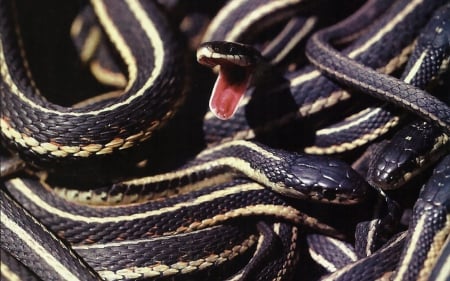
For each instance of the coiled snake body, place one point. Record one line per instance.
(236, 210)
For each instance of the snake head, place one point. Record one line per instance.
(322, 178)
(237, 63)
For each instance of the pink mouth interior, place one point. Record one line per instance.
(228, 91)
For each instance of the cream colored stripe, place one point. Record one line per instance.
(322, 261)
(440, 241)
(371, 235)
(137, 242)
(76, 26)
(444, 273)
(276, 228)
(182, 173)
(304, 78)
(108, 77)
(344, 248)
(415, 68)
(7, 273)
(236, 277)
(38, 249)
(412, 246)
(347, 125)
(90, 44)
(21, 186)
(387, 28)
(256, 14)
(309, 24)
(249, 145)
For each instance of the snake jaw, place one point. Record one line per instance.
(229, 89)
(237, 64)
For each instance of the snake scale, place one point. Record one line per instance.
(323, 154)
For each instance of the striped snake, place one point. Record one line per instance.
(236, 209)
(77, 135)
(313, 92)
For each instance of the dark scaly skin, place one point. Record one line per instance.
(419, 144)
(263, 112)
(60, 126)
(410, 151)
(430, 224)
(327, 250)
(365, 79)
(314, 177)
(27, 256)
(192, 247)
(297, 175)
(79, 232)
(373, 266)
(16, 267)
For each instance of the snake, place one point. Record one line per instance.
(395, 258)
(75, 132)
(199, 265)
(424, 105)
(427, 62)
(194, 226)
(305, 86)
(422, 143)
(431, 52)
(255, 200)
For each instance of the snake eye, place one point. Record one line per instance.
(329, 195)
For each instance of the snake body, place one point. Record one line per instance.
(311, 177)
(82, 225)
(313, 92)
(402, 249)
(428, 60)
(419, 140)
(74, 133)
(238, 209)
(60, 259)
(404, 95)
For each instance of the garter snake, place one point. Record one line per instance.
(399, 258)
(313, 93)
(195, 231)
(336, 65)
(437, 111)
(300, 176)
(135, 225)
(410, 150)
(103, 127)
(431, 51)
(427, 62)
(421, 142)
